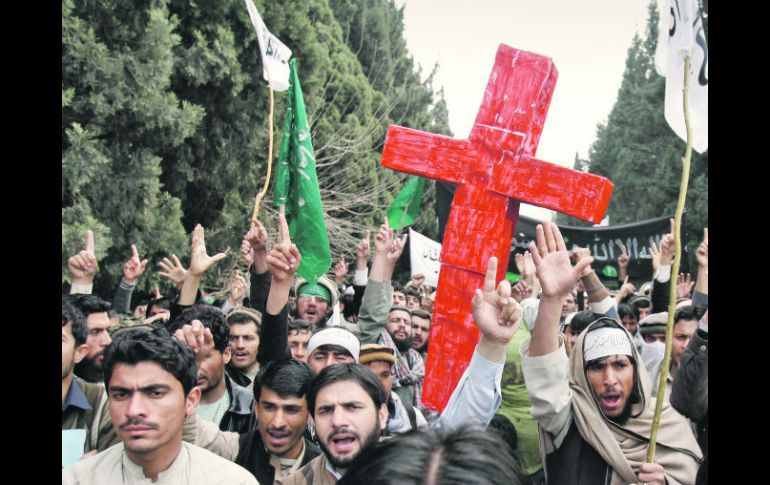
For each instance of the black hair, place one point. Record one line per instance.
(333, 348)
(240, 317)
(399, 308)
(397, 287)
(686, 313)
(412, 291)
(287, 377)
(299, 324)
(641, 303)
(349, 309)
(143, 343)
(581, 320)
(70, 314)
(89, 304)
(626, 310)
(211, 318)
(421, 314)
(437, 456)
(163, 302)
(357, 373)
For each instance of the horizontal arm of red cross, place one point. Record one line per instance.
(432, 156)
(582, 195)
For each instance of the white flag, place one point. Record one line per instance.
(275, 54)
(681, 33)
(424, 257)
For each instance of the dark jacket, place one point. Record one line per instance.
(86, 408)
(575, 462)
(690, 392)
(239, 417)
(253, 456)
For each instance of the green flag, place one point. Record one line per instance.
(296, 186)
(405, 208)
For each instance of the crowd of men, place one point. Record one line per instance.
(291, 381)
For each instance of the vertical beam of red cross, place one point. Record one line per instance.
(494, 169)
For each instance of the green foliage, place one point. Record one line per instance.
(641, 154)
(165, 122)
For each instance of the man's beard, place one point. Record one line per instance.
(370, 441)
(403, 345)
(89, 371)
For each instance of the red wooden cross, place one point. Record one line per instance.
(494, 169)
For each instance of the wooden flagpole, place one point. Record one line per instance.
(674, 266)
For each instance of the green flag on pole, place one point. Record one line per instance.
(405, 208)
(296, 186)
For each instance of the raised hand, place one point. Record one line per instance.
(284, 258)
(667, 247)
(257, 236)
(247, 252)
(396, 249)
(702, 253)
(684, 285)
(82, 266)
(579, 253)
(197, 337)
(383, 240)
(200, 261)
(521, 290)
(625, 290)
(623, 258)
(340, 270)
(655, 254)
(496, 313)
(556, 274)
(133, 268)
(173, 271)
(362, 251)
(237, 288)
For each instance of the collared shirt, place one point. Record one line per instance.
(75, 397)
(331, 469)
(276, 463)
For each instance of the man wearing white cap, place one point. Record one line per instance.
(332, 345)
(595, 409)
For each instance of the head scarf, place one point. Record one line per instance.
(624, 447)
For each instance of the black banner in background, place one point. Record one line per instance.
(604, 242)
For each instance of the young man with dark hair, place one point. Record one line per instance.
(223, 402)
(595, 409)
(413, 298)
(347, 403)
(421, 321)
(95, 311)
(278, 448)
(244, 331)
(150, 379)
(300, 332)
(332, 345)
(402, 416)
(685, 325)
(84, 404)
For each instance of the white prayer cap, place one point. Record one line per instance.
(606, 341)
(335, 336)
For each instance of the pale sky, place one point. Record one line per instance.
(588, 41)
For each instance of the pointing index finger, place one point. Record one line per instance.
(90, 242)
(134, 252)
(283, 227)
(489, 278)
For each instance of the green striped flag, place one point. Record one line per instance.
(405, 208)
(296, 186)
